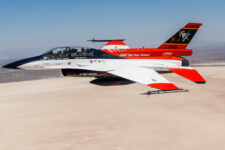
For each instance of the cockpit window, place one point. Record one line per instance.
(82, 52)
(68, 52)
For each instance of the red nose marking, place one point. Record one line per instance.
(69, 63)
(91, 61)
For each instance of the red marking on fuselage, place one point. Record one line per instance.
(173, 46)
(150, 53)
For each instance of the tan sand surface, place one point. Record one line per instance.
(72, 114)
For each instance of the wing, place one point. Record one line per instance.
(145, 76)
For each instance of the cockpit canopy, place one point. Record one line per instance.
(69, 52)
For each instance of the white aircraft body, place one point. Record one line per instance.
(116, 60)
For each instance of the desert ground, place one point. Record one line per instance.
(69, 113)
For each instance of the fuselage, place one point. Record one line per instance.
(117, 60)
(103, 60)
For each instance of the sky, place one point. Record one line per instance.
(38, 25)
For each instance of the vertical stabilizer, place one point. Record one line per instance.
(182, 38)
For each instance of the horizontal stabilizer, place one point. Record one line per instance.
(190, 74)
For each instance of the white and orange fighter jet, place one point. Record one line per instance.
(116, 60)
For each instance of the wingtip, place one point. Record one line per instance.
(164, 86)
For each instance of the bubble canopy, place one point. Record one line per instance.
(69, 52)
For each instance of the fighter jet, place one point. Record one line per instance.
(117, 60)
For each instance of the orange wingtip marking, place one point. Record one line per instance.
(164, 86)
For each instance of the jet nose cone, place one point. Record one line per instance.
(19, 63)
(11, 66)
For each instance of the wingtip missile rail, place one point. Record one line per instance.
(164, 91)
